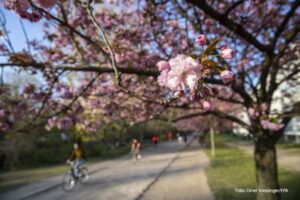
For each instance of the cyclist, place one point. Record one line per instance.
(135, 149)
(78, 157)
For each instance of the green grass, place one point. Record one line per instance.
(9, 180)
(13, 179)
(291, 147)
(227, 138)
(231, 168)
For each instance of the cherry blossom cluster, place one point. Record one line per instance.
(184, 74)
(267, 123)
(60, 123)
(68, 120)
(26, 11)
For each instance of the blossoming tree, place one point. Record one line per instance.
(141, 59)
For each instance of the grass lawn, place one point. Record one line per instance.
(9, 180)
(13, 179)
(289, 146)
(232, 168)
(292, 147)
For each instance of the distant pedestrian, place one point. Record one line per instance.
(185, 138)
(170, 136)
(179, 138)
(154, 140)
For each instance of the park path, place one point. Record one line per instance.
(285, 158)
(175, 171)
(175, 185)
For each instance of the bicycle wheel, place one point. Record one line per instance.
(84, 175)
(68, 182)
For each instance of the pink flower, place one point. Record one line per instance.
(51, 123)
(252, 112)
(264, 107)
(266, 124)
(65, 93)
(19, 6)
(65, 123)
(226, 76)
(201, 39)
(2, 113)
(163, 65)
(184, 72)
(209, 22)
(227, 53)
(207, 106)
(178, 93)
(46, 3)
(163, 78)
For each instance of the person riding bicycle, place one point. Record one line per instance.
(135, 149)
(78, 157)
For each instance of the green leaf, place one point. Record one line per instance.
(194, 56)
(213, 64)
(210, 47)
(264, 117)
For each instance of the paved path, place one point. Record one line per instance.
(171, 170)
(184, 179)
(285, 158)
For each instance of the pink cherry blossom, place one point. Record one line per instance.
(163, 65)
(252, 112)
(201, 39)
(226, 76)
(266, 124)
(64, 123)
(35, 16)
(264, 107)
(2, 113)
(227, 53)
(46, 3)
(185, 72)
(207, 106)
(163, 78)
(65, 92)
(19, 6)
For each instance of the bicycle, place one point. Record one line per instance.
(70, 179)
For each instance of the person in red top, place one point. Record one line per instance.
(154, 140)
(170, 136)
(135, 149)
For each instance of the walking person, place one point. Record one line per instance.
(185, 138)
(170, 136)
(154, 140)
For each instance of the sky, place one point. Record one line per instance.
(34, 31)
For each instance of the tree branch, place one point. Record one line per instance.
(285, 21)
(232, 7)
(231, 25)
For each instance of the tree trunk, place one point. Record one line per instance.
(266, 170)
